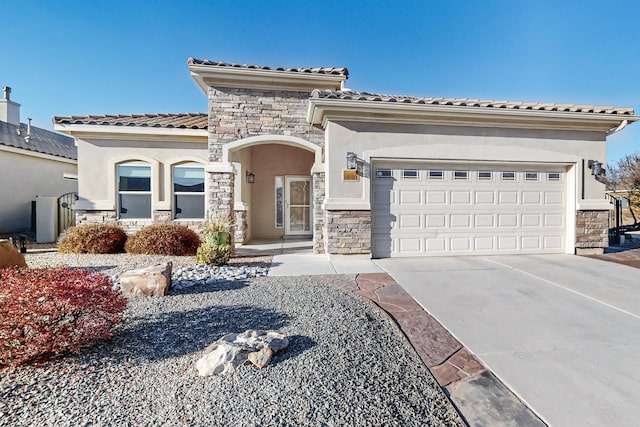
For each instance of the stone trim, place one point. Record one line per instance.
(348, 232)
(319, 224)
(592, 230)
(131, 226)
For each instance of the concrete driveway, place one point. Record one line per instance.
(562, 331)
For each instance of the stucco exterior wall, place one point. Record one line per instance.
(23, 178)
(98, 159)
(378, 141)
(268, 162)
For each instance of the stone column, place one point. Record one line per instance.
(349, 232)
(319, 228)
(592, 232)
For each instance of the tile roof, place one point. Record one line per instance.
(179, 120)
(464, 102)
(321, 70)
(40, 141)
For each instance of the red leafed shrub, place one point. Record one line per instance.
(164, 239)
(93, 239)
(48, 311)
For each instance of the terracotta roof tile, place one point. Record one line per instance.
(179, 120)
(321, 70)
(464, 102)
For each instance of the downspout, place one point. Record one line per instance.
(622, 125)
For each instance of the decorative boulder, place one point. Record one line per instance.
(233, 350)
(10, 256)
(151, 281)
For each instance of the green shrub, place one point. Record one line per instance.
(164, 239)
(50, 311)
(93, 239)
(213, 254)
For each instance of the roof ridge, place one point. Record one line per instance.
(343, 71)
(465, 102)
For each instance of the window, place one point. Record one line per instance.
(134, 191)
(460, 175)
(508, 176)
(279, 202)
(383, 173)
(436, 174)
(531, 176)
(188, 192)
(485, 175)
(553, 176)
(409, 173)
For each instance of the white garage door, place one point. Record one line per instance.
(435, 209)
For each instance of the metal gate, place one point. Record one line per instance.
(66, 215)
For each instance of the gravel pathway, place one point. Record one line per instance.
(347, 364)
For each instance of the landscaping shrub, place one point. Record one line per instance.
(49, 311)
(93, 239)
(164, 239)
(216, 249)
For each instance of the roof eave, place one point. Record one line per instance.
(118, 130)
(321, 111)
(207, 75)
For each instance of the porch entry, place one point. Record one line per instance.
(298, 205)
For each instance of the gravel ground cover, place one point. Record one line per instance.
(347, 363)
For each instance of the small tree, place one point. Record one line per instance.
(624, 176)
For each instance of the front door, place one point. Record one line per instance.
(298, 205)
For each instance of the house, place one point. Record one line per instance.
(289, 152)
(34, 162)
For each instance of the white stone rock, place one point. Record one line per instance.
(233, 350)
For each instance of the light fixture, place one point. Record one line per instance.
(251, 177)
(596, 168)
(352, 161)
(23, 243)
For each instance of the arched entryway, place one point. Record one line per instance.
(273, 191)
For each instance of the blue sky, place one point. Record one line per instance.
(124, 57)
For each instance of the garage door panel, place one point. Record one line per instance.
(410, 197)
(460, 197)
(436, 197)
(460, 220)
(485, 197)
(508, 197)
(410, 221)
(484, 213)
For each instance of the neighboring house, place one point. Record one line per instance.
(289, 152)
(34, 162)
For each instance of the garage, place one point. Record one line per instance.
(436, 209)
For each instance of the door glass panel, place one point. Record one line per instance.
(299, 219)
(299, 193)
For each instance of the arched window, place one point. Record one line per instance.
(188, 191)
(134, 190)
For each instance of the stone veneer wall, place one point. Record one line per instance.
(319, 226)
(241, 226)
(348, 232)
(237, 113)
(592, 229)
(131, 226)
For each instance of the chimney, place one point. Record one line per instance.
(9, 110)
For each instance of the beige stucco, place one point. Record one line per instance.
(268, 161)
(99, 157)
(373, 142)
(26, 175)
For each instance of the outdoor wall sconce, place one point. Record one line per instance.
(251, 177)
(596, 168)
(352, 161)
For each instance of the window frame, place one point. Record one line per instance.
(174, 193)
(435, 177)
(120, 192)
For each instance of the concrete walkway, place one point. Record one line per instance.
(562, 331)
